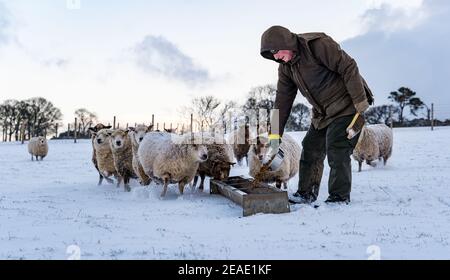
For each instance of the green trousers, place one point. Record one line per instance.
(331, 142)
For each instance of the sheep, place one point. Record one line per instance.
(375, 142)
(136, 136)
(38, 147)
(93, 131)
(218, 164)
(104, 156)
(289, 166)
(123, 157)
(241, 145)
(169, 158)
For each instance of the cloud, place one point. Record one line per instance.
(387, 18)
(415, 56)
(56, 62)
(156, 54)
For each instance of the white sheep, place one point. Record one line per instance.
(289, 166)
(375, 142)
(104, 156)
(123, 156)
(170, 159)
(38, 147)
(136, 135)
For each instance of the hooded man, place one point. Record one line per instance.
(329, 79)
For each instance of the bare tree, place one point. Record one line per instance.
(405, 97)
(299, 119)
(86, 119)
(204, 109)
(381, 114)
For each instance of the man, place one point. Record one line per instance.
(329, 79)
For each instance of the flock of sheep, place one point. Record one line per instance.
(167, 158)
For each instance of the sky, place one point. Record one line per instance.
(135, 58)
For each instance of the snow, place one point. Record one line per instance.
(54, 210)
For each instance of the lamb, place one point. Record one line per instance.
(93, 131)
(241, 145)
(375, 142)
(136, 136)
(169, 158)
(289, 166)
(38, 147)
(103, 153)
(123, 157)
(218, 164)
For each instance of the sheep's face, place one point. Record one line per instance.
(102, 138)
(42, 141)
(221, 169)
(99, 127)
(119, 139)
(261, 149)
(139, 135)
(200, 152)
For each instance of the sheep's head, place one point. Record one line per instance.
(102, 137)
(119, 139)
(140, 131)
(261, 148)
(199, 152)
(98, 127)
(221, 169)
(42, 141)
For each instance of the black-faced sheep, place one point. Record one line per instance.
(288, 168)
(123, 156)
(218, 164)
(93, 131)
(170, 158)
(136, 136)
(104, 156)
(38, 147)
(375, 143)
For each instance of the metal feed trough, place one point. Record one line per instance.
(261, 198)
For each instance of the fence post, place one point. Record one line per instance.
(432, 116)
(390, 118)
(114, 123)
(56, 131)
(75, 131)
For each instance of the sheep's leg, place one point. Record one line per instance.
(126, 183)
(195, 182)
(285, 185)
(359, 166)
(181, 187)
(100, 179)
(37, 158)
(166, 183)
(246, 160)
(278, 184)
(32, 158)
(202, 181)
(109, 180)
(119, 180)
(385, 160)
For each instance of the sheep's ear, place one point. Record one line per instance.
(131, 129)
(149, 128)
(108, 127)
(109, 133)
(91, 129)
(232, 163)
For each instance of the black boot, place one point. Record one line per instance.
(337, 199)
(300, 198)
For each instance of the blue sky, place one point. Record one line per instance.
(136, 58)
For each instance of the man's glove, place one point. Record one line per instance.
(355, 126)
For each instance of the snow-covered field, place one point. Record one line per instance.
(401, 211)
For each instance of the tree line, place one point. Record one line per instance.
(24, 119)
